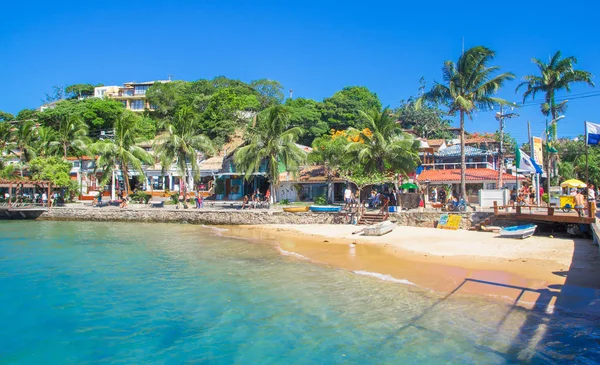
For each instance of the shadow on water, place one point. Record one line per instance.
(563, 332)
(560, 326)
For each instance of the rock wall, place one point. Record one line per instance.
(220, 217)
(237, 217)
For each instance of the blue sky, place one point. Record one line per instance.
(313, 47)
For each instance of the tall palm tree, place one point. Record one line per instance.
(274, 141)
(121, 152)
(47, 143)
(23, 141)
(469, 85)
(180, 143)
(556, 75)
(382, 146)
(72, 135)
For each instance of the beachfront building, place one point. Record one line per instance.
(131, 94)
(310, 183)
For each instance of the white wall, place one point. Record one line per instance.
(286, 190)
(487, 197)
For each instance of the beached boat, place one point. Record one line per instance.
(518, 231)
(324, 208)
(379, 229)
(296, 209)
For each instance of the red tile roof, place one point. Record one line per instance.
(472, 175)
(479, 139)
(435, 142)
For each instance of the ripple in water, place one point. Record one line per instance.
(92, 293)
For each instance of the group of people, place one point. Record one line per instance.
(375, 199)
(254, 201)
(525, 196)
(183, 199)
(49, 201)
(439, 196)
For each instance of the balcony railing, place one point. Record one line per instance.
(456, 165)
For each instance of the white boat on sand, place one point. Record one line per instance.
(379, 229)
(518, 231)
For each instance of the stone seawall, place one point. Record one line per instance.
(237, 217)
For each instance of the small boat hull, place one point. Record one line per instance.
(324, 209)
(379, 229)
(520, 232)
(296, 209)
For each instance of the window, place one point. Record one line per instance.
(137, 105)
(76, 164)
(140, 90)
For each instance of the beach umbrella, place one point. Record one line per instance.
(408, 186)
(573, 183)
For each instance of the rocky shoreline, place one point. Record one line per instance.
(237, 217)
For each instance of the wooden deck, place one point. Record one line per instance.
(544, 215)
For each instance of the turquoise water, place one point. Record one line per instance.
(116, 293)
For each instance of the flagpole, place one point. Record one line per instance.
(587, 172)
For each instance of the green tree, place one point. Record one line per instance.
(52, 168)
(5, 117)
(273, 140)
(96, 113)
(79, 91)
(555, 76)
(306, 114)
(469, 86)
(27, 114)
(122, 151)
(179, 143)
(270, 92)
(342, 109)
(23, 141)
(72, 136)
(47, 142)
(6, 135)
(383, 147)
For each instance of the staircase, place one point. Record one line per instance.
(372, 218)
(375, 216)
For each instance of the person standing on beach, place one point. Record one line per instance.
(44, 199)
(591, 198)
(348, 195)
(579, 203)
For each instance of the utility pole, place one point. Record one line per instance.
(500, 116)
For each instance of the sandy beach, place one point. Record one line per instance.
(518, 271)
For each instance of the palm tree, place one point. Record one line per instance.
(469, 86)
(23, 142)
(554, 76)
(274, 141)
(121, 152)
(180, 143)
(382, 146)
(46, 144)
(72, 135)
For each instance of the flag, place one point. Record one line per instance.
(526, 163)
(592, 133)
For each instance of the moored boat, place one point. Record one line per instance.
(324, 208)
(379, 229)
(296, 209)
(518, 231)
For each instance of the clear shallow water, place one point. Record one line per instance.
(99, 293)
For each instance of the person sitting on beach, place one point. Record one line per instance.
(253, 200)
(124, 202)
(245, 201)
(179, 201)
(579, 203)
(268, 195)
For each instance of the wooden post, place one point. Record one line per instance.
(518, 209)
(49, 191)
(10, 194)
(495, 207)
(550, 210)
(591, 209)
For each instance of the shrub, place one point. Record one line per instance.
(322, 200)
(141, 197)
(545, 198)
(174, 198)
(284, 201)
